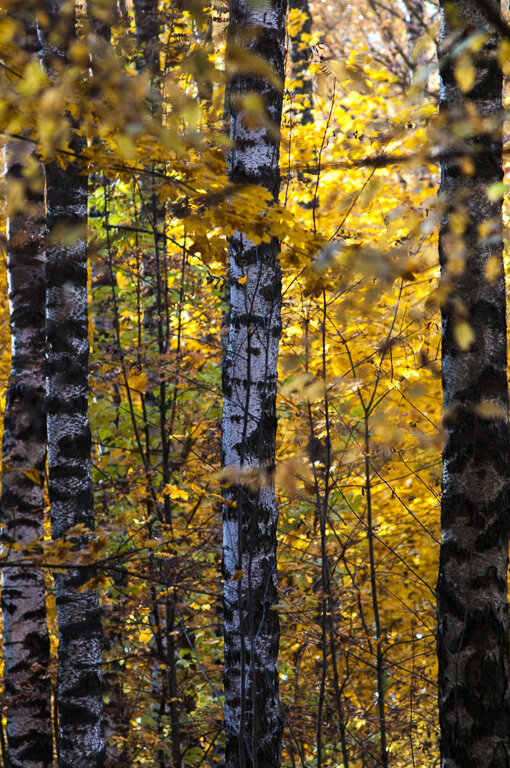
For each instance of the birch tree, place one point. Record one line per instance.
(81, 743)
(253, 716)
(25, 633)
(472, 587)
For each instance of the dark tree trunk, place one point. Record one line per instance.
(252, 710)
(81, 742)
(300, 55)
(474, 706)
(25, 633)
(70, 481)
(156, 339)
(149, 47)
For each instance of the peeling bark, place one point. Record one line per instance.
(474, 704)
(25, 633)
(251, 625)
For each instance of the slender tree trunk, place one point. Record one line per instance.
(149, 47)
(69, 442)
(157, 338)
(300, 55)
(25, 633)
(252, 709)
(153, 213)
(474, 706)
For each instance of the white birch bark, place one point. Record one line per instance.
(251, 629)
(25, 633)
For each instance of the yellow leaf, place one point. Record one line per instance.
(145, 635)
(175, 492)
(504, 56)
(34, 475)
(464, 335)
(487, 409)
(496, 191)
(138, 382)
(492, 269)
(126, 146)
(467, 165)
(465, 72)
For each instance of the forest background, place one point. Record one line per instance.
(358, 453)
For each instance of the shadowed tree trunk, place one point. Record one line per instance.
(156, 398)
(472, 587)
(116, 716)
(25, 634)
(300, 55)
(252, 710)
(69, 442)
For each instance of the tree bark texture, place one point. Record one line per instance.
(25, 633)
(81, 742)
(253, 716)
(70, 481)
(474, 707)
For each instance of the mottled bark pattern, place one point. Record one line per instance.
(70, 483)
(473, 628)
(25, 634)
(69, 442)
(252, 711)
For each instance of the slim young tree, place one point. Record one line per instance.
(81, 742)
(300, 54)
(252, 711)
(156, 398)
(474, 702)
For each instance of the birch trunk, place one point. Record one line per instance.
(25, 633)
(473, 627)
(70, 482)
(81, 742)
(251, 625)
